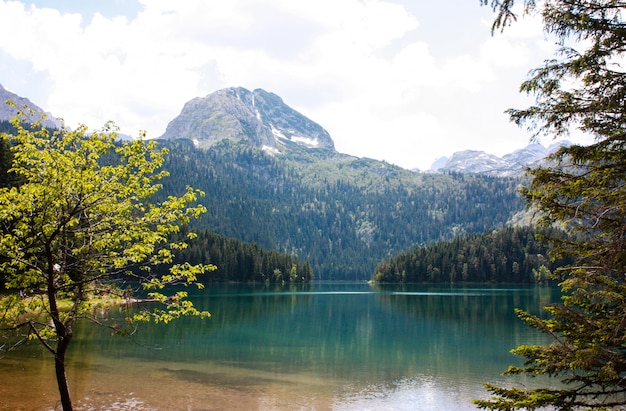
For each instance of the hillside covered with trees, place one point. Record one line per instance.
(512, 254)
(341, 213)
(237, 261)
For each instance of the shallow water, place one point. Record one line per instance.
(329, 346)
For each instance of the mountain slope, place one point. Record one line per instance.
(343, 216)
(258, 118)
(471, 161)
(7, 112)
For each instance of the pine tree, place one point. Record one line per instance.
(582, 189)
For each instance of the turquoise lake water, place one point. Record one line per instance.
(324, 346)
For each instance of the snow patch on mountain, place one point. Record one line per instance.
(278, 133)
(270, 150)
(309, 142)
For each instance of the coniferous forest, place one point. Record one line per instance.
(512, 254)
(343, 215)
(237, 261)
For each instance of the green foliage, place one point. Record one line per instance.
(582, 190)
(542, 274)
(82, 216)
(237, 261)
(7, 179)
(512, 254)
(340, 213)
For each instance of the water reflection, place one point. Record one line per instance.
(318, 346)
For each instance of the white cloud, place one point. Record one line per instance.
(466, 72)
(363, 69)
(36, 35)
(499, 51)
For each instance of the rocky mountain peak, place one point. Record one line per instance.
(480, 162)
(257, 117)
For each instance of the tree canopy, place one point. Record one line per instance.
(237, 261)
(583, 190)
(508, 255)
(81, 218)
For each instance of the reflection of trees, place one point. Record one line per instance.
(389, 334)
(455, 325)
(189, 338)
(481, 304)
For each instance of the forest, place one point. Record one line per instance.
(237, 261)
(508, 255)
(342, 214)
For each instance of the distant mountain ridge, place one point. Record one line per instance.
(257, 117)
(509, 165)
(7, 112)
(261, 119)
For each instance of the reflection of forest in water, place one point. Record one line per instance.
(343, 334)
(342, 330)
(479, 304)
(471, 329)
(232, 307)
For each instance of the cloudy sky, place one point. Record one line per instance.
(406, 81)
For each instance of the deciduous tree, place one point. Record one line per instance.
(81, 218)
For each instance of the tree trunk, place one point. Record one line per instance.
(64, 389)
(64, 335)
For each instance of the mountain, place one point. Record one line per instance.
(273, 177)
(257, 117)
(530, 154)
(437, 164)
(471, 161)
(509, 165)
(7, 112)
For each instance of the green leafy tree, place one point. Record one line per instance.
(583, 189)
(7, 179)
(81, 218)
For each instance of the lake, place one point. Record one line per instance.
(322, 346)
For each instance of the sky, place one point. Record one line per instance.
(404, 81)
